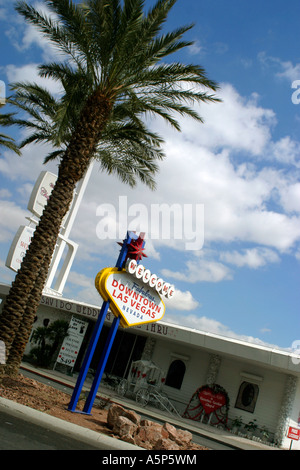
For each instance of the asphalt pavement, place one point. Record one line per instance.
(21, 434)
(24, 428)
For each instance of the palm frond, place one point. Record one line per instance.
(50, 28)
(9, 143)
(6, 141)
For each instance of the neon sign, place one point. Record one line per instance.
(140, 272)
(129, 297)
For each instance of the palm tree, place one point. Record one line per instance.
(112, 76)
(48, 339)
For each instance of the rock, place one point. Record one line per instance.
(125, 429)
(183, 437)
(134, 417)
(117, 410)
(180, 436)
(145, 422)
(171, 431)
(128, 426)
(114, 412)
(166, 444)
(149, 433)
(141, 438)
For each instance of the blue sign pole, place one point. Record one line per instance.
(88, 357)
(112, 333)
(94, 340)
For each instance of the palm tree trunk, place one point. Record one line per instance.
(27, 287)
(24, 331)
(72, 168)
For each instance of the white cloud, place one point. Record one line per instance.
(183, 301)
(11, 217)
(5, 193)
(283, 69)
(286, 151)
(265, 330)
(290, 197)
(210, 325)
(289, 71)
(25, 191)
(29, 73)
(82, 288)
(237, 123)
(27, 167)
(253, 258)
(201, 269)
(195, 48)
(24, 36)
(81, 280)
(269, 228)
(6, 274)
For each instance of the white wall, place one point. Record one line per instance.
(271, 384)
(196, 370)
(270, 396)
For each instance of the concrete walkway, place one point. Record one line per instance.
(196, 428)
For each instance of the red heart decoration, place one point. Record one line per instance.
(211, 401)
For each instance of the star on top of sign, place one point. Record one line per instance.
(135, 248)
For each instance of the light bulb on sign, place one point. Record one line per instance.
(145, 275)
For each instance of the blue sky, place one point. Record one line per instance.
(242, 166)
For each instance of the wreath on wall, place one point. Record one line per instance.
(209, 404)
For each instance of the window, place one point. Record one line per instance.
(127, 347)
(175, 374)
(247, 396)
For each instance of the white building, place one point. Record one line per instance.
(262, 383)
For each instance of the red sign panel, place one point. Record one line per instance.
(293, 433)
(211, 401)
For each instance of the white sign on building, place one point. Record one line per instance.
(72, 343)
(37, 202)
(41, 192)
(18, 247)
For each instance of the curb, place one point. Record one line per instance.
(101, 441)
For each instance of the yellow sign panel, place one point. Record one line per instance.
(129, 297)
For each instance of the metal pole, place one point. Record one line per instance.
(104, 357)
(88, 357)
